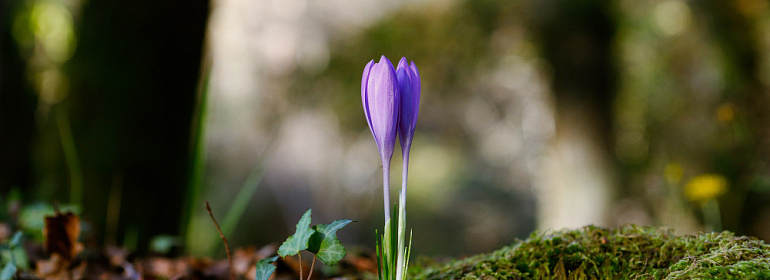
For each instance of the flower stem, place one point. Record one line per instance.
(711, 215)
(386, 187)
(400, 259)
(404, 175)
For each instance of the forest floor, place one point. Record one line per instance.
(629, 252)
(62, 256)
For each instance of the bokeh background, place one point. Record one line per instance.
(535, 115)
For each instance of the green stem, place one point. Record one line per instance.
(71, 156)
(711, 215)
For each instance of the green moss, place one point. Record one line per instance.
(631, 252)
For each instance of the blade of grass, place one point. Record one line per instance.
(401, 229)
(378, 244)
(408, 254)
(71, 157)
(394, 243)
(197, 152)
(246, 192)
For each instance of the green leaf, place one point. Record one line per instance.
(16, 239)
(324, 242)
(386, 253)
(163, 244)
(265, 268)
(299, 240)
(9, 270)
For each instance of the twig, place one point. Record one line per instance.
(224, 239)
(311, 268)
(299, 257)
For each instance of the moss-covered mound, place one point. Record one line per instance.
(630, 252)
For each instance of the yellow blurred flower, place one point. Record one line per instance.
(726, 113)
(705, 187)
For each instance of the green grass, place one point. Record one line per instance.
(631, 252)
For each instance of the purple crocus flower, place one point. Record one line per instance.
(409, 85)
(382, 101)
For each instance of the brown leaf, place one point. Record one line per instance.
(242, 259)
(51, 268)
(158, 267)
(61, 235)
(360, 263)
(57, 268)
(5, 232)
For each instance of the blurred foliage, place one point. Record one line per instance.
(448, 43)
(689, 101)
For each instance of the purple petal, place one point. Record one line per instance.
(383, 100)
(409, 84)
(416, 79)
(364, 81)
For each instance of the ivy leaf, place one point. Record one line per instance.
(299, 240)
(324, 243)
(15, 240)
(9, 270)
(265, 268)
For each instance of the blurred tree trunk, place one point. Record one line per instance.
(134, 80)
(17, 106)
(575, 38)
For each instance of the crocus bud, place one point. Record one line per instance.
(409, 85)
(381, 99)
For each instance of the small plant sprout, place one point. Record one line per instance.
(391, 100)
(321, 240)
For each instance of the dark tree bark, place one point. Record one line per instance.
(134, 79)
(17, 107)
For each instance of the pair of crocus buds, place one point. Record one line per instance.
(391, 99)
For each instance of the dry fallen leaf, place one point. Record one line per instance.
(61, 235)
(57, 268)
